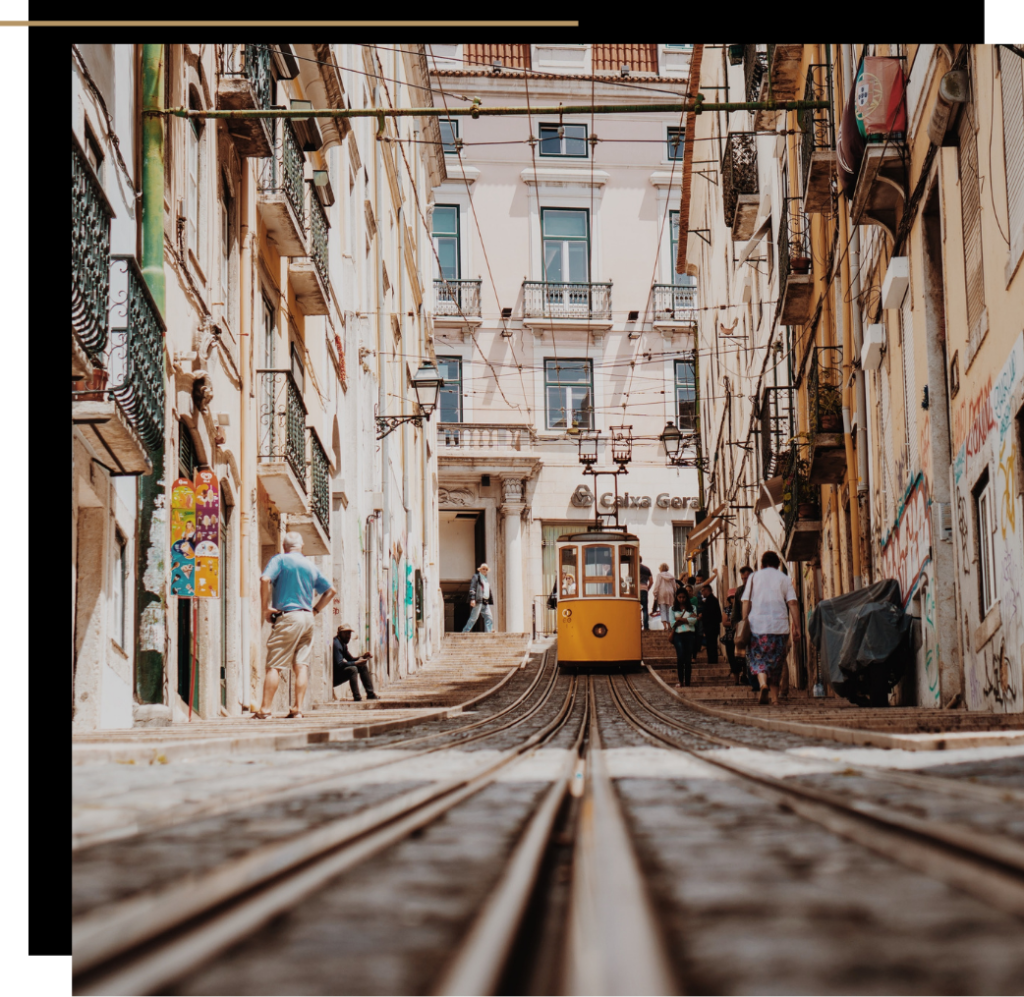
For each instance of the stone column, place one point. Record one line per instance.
(512, 507)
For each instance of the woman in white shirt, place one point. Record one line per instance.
(770, 607)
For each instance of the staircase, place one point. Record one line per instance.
(707, 681)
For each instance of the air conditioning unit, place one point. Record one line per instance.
(871, 348)
(897, 280)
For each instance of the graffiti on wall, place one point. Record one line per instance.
(906, 551)
(974, 420)
(930, 692)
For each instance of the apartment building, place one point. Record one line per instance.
(558, 312)
(246, 302)
(868, 423)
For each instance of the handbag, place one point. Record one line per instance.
(741, 641)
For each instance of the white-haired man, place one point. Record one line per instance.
(481, 598)
(288, 586)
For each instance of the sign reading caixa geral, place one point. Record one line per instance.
(584, 497)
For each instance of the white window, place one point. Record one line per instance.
(1011, 70)
(192, 185)
(119, 590)
(986, 552)
(225, 251)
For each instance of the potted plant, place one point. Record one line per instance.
(797, 491)
(735, 54)
(800, 264)
(830, 404)
(91, 389)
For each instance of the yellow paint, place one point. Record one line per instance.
(577, 642)
(1008, 503)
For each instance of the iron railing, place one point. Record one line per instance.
(796, 492)
(675, 303)
(252, 62)
(794, 241)
(90, 254)
(479, 435)
(816, 124)
(135, 360)
(739, 171)
(778, 428)
(320, 480)
(284, 171)
(318, 227)
(282, 421)
(456, 297)
(824, 386)
(566, 299)
(755, 63)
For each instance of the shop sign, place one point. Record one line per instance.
(584, 497)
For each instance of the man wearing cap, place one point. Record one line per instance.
(287, 589)
(481, 598)
(347, 668)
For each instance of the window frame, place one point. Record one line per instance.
(610, 579)
(575, 551)
(120, 587)
(565, 240)
(678, 384)
(547, 125)
(444, 386)
(634, 572)
(681, 132)
(296, 362)
(457, 236)
(557, 383)
(984, 524)
(455, 129)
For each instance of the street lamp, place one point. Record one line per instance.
(587, 444)
(622, 444)
(426, 383)
(673, 440)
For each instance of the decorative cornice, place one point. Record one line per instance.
(562, 176)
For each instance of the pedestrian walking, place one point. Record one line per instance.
(664, 593)
(481, 598)
(684, 621)
(349, 669)
(730, 618)
(287, 589)
(711, 621)
(745, 675)
(770, 607)
(646, 580)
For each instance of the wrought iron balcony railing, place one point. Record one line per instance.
(480, 435)
(796, 492)
(754, 65)
(567, 299)
(284, 170)
(824, 389)
(318, 228)
(456, 297)
(739, 171)
(252, 62)
(282, 421)
(320, 480)
(778, 427)
(675, 303)
(794, 241)
(816, 124)
(90, 254)
(135, 360)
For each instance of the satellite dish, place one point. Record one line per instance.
(953, 86)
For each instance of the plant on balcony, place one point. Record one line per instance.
(800, 264)
(830, 403)
(795, 496)
(736, 54)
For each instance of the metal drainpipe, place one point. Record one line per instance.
(381, 369)
(151, 633)
(405, 440)
(245, 321)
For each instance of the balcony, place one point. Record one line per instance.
(796, 283)
(123, 421)
(467, 436)
(801, 512)
(567, 304)
(457, 304)
(316, 528)
(90, 264)
(310, 276)
(881, 184)
(755, 65)
(740, 195)
(824, 395)
(782, 78)
(244, 83)
(778, 427)
(282, 198)
(675, 308)
(281, 443)
(818, 142)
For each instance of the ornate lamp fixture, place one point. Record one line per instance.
(426, 382)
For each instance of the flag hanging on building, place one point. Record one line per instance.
(207, 535)
(183, 538)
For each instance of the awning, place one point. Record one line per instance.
(769, 494)
(708, 530)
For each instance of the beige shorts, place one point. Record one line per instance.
(290, 641)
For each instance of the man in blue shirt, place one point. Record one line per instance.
(287, 589)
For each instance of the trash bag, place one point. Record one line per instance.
(863, 640)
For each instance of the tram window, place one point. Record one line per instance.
(567, 571)
(598, 574)
(627, 571)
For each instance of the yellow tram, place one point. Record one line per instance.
(598, 601)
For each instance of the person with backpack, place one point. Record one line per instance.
(481, 598)
(663, 592)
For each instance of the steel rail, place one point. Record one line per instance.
(481, 959)
(111, 931)
(990, 868)
(616, 945)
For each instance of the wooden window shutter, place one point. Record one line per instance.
(970, 205)
(1012, 82)
(909, 384)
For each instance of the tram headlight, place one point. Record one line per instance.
(600, 630)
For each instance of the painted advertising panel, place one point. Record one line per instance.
(183, 538)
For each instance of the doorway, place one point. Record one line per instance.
(463, 537)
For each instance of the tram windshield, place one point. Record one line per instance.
(598, 572)
(627, 571)
(567, 572)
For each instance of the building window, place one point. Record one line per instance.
(269, 333)
(676, 142)
(93, 153)
(564, 140)
(451, 390)
(447, 243)
(686, 396)
(970, 206)
(193, 135)
(298, 369)
(986, 553)
(1011, 75)
(679, 535)
(120, 587)
(225, 248)
(187, 458)
(566, 237)
(569, 387)
(449, 133)
(685, 47)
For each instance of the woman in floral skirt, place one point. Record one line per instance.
(770, 607)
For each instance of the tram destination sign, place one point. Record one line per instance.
(583, 497)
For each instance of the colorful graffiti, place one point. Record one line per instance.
(931, 649)
(974, 420)
(907, 549)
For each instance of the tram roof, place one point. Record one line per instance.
(598, 537)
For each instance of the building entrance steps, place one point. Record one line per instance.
(468, 669)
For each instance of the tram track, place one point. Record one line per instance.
(990, 867)
(140, 943)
